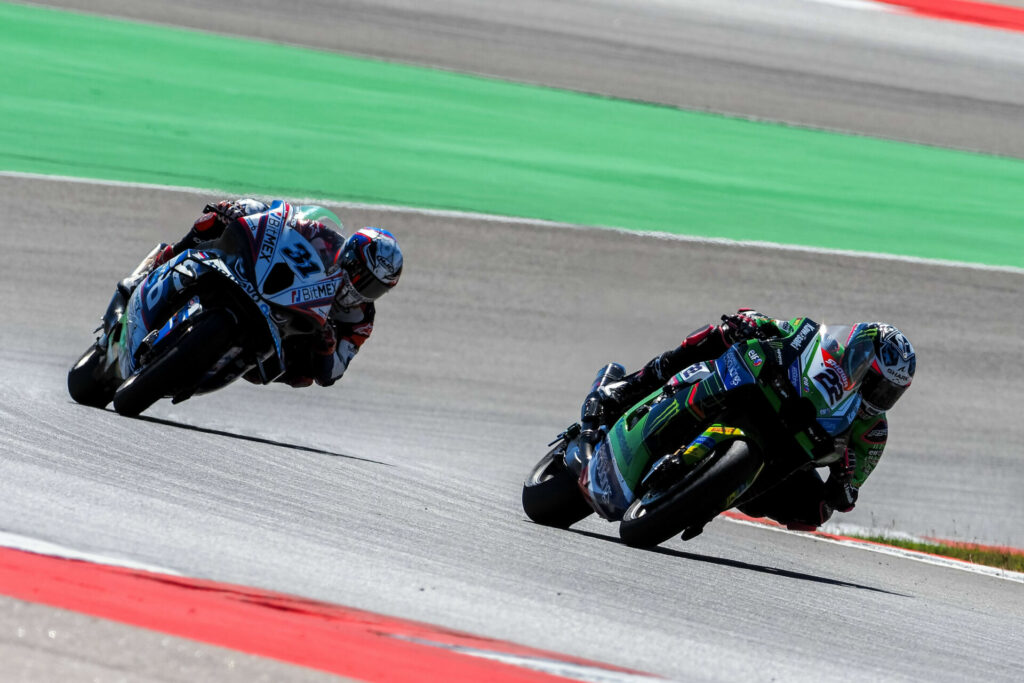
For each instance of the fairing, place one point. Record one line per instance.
(288, 269)
(824, 364)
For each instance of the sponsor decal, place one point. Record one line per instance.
(898, 375)
(732, 369)
(754, 358)
(878, 434)
(697, 450)
(724, 431)
(830, 381)
(794, 375)
(601, 478)
(701, 445)
(838, 370)
(241, 280)
(274, 222)
(806, 385)
(604, 483)
(323, 290)
(801, 337)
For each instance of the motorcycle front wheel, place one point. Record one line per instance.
(696, 499)
(181, 367)
(86, 382)
(551, 495)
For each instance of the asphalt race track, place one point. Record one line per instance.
(398, 490)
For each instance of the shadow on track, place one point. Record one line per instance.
(741, 565)
(258, 439)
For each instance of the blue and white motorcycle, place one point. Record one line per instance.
(209, 315)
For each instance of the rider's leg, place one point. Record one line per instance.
(796, 502)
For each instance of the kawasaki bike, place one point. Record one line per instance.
(716, 436)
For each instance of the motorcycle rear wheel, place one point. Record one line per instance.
(86, 382)
(698, 497)
(181, 367)
(551, 495)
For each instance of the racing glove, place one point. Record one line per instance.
(840, 493)
(225, 211)
(740, 326)
(323, 356)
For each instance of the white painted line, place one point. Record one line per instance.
(554, 667)
(39, 547)
(857, 4)
(494, 218)
(896, 552)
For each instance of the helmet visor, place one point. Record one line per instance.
(367, 284)
(880, 392)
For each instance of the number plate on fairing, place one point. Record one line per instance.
(823, 380)
(310, 289)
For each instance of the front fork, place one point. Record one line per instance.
(586, 432)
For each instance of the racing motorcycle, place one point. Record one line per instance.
(715, 436)
(209, 315)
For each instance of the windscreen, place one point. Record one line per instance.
(854, 347)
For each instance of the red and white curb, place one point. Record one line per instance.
(826, 535)
(318, 635)
(985, 14)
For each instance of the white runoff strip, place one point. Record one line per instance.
(857, 4)
(494, 218)
(554, 667)
(897, 552)
(34, 545)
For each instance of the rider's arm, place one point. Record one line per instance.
(860, 456)
(706, 343)
(867, 441)
(211, 224)
(349, 329)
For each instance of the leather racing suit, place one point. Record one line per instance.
(801, 501)
(322, 357)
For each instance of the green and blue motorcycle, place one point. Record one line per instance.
(715, 436)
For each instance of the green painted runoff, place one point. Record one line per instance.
(101, 98)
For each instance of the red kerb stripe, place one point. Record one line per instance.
(314, 634)
(985, 14)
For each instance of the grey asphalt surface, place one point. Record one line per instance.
(397, 491)
(39, 643)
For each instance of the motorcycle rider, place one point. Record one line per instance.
(371, 259)
(803, 500)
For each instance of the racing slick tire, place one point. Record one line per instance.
(181, 367)
(696, 499)
(551, 495)
(86, 382)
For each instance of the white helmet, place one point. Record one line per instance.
(373, 261)
(892, 369)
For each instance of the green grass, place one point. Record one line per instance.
(992, 557)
